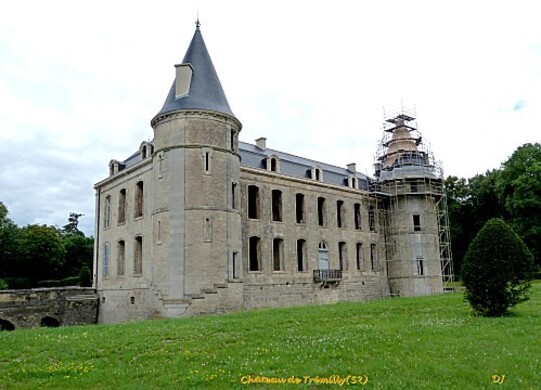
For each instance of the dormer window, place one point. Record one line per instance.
(146, 150)
(273, 164)
(317, 174)
(113, 167)
(183, 80)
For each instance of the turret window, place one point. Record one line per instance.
(207, 160)
(420, 266)
(416, 223)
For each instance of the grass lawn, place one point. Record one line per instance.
(402, 343)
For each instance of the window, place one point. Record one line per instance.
(359, 256)
(107, 212)
(340, 220)
(373, 257)
(254, 253)
(300, 210)
(342, 256)
(138, 256)
(278, 254)
(234, 265)
(321, 211)
(121, 255)
(416, 223)
(159, 232)
(139, 200)
(233, 195)
(301, 254)
(207, 160)
(160, 165)
(420, 266)
(277, 205)
(253, 202)
(207, 229)
(372, 219)
(122, 206)
(357, 215)
(317, 174)
(106, 259)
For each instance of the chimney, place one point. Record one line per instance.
(261, 142)
(352, 167)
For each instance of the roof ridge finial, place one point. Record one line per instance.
(197, 23)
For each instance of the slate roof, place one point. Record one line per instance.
(206, 91)
(255, 157)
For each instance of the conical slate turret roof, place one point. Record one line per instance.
(205, 91)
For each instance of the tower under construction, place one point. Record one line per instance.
(412, 202)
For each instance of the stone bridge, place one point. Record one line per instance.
(57, 306)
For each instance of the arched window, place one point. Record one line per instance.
(121, 256)
(106, 259)
(253, 202)
(138, 256)
(139, 199)
(254, 261)
(107, 212)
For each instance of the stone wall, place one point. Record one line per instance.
(56, 306)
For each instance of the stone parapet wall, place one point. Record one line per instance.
(57, 306)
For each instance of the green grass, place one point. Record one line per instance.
(403, 343)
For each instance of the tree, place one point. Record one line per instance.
(496, 270)
(519, 189)
(9, 260)
(42, 252)
(71, 228)
(79, 254)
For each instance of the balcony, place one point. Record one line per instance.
(327, 275)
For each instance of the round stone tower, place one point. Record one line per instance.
(410, 189)
(196, 216)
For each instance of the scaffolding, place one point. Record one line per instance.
(412, 208)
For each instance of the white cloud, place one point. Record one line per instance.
(79, 83)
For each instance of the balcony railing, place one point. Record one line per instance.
(327, 275)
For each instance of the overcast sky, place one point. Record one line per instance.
(80, 82)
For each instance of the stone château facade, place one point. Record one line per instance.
(197, 221)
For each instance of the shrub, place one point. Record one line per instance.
(496, 270)
(85, 277)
